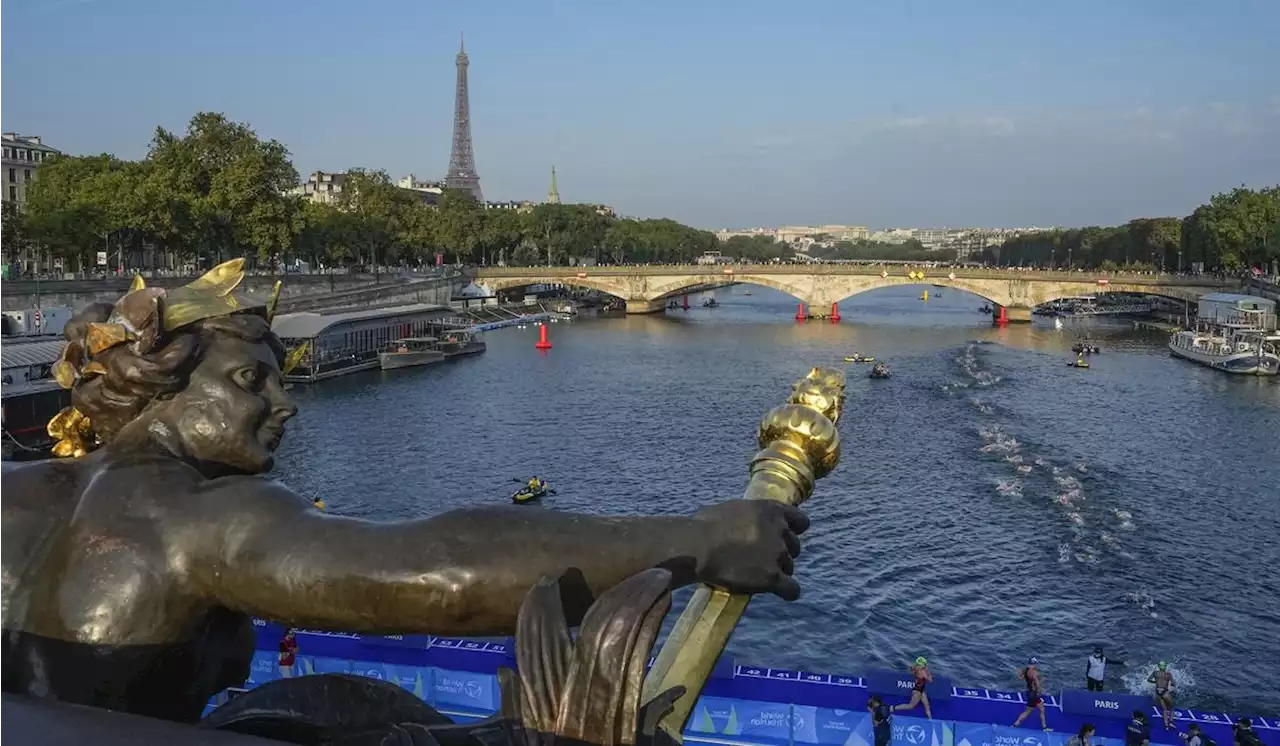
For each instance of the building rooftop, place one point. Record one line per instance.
(308, 324)
(15, 354)
(27, 141)
(1238, 297)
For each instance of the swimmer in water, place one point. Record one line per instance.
(1035, 701)
(1164, 691)
(923, 679)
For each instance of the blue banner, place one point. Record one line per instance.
(741, 721)
(1102, 704)
(909, 731)
(412, 678)
(831, 727)
(264, 667)
(902, 684)
(310, 664)
(465, 690)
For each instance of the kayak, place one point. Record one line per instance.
(859, 359)
(1077, 364)
(527, 496)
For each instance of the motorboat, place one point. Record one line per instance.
(458, 342)
(710, 303)
(411, 352)
(986, 309)
(880, 370)
(1085, 348)
(1232, 333)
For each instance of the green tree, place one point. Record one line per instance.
(501, 233)
(460, 225)
(16, 231)
(226, 186)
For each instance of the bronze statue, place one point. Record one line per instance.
(131, 567)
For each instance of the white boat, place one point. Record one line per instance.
(410, 352)
(1233, 333)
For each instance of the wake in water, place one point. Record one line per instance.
(1056, 481)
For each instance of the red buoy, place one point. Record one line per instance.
(800, 312)
(1003, 318)
(686, 303)
(835, 311)
(542, 344)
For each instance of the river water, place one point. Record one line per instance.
(992, 503)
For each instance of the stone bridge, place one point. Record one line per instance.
(1013, 293)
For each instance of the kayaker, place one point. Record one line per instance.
(535, 484)
(920, 671)
(1163, 681)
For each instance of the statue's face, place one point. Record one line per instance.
(231, 415)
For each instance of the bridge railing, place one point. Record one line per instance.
(930, 273)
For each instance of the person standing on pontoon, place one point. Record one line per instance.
(1095, 672)
(923, 679)
(1035, 700)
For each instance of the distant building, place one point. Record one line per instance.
(325, 188)
(430, 187)
(521, 205)
(792, 233)
(21, 156)
(725, 235)
(321, 187)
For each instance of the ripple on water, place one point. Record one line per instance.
(927, 540)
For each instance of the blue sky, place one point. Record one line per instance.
(718, 113)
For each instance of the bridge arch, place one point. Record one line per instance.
(602, 284)
(987, 291)
(662, 291)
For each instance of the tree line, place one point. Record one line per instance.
(218, 190)
(1233, 231)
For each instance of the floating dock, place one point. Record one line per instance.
(748, 705)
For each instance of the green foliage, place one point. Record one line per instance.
(218, 190)
(14, 227)
(655, 241)
(1234, 230)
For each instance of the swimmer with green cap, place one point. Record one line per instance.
(1163, 681)
(920, 670)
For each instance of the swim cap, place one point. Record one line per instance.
(1162, 665)
(1034, 661)
(921, 661)
(1097, 650)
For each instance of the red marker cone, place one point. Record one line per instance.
(542, 344)
(835, 311)
(800, 312)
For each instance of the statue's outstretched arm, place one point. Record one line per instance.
(467, 571)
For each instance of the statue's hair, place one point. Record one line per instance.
(131, 382)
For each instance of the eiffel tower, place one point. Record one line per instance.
(462, 161)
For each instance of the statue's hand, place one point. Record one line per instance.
(750, 545)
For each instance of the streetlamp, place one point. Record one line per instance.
(1179, 261)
